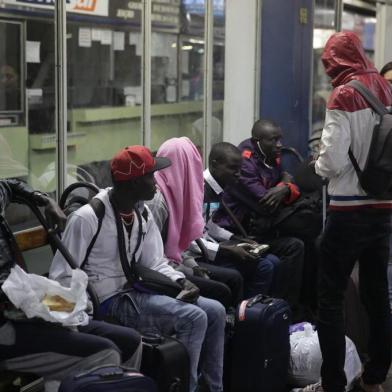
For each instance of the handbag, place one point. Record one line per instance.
(139, 277)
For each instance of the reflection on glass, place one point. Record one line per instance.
(10, 71)
(364, 26)
(104, 88)
(324, 14)
(27, 140)
(324, 27)
(218, 93)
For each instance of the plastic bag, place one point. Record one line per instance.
(305, 362)
(26, 291)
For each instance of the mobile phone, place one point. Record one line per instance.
(259, 249)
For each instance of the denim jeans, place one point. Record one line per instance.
(200, 328)
(348, 237)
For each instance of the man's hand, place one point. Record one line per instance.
(243, 239)
(274, 197)
(54, 215)
(189, 293)
(200, 272)
(287, 177)
(238, 253)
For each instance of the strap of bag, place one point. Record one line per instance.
(129, 270)
(370, 98)
(376, 104)
(99, 210)
(234, 219)
(354, 162)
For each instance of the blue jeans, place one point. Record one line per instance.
(348, 237)
(200, 328)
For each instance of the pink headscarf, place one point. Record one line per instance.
(182, 186)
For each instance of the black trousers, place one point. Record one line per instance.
(225, 285)
(36, 337)
(288, 282)
(352, 236)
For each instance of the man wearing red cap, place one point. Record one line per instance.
(197, 324)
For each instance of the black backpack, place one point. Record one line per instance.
(376, 176)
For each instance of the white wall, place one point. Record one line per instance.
(241, 74)
(383, 52)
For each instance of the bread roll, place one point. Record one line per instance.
(58, 304)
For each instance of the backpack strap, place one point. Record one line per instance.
(376, 104)
(370, 98)
(99, 210)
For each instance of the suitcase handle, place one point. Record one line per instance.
(110, 374)
(264, 299)
(152, 338)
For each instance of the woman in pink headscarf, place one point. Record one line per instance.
(177, 210)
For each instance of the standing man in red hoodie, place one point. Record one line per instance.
(358, 226)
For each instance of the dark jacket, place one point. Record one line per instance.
(256, 179)
(8, 190)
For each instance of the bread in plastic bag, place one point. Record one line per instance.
(26, 292)
(305, 361)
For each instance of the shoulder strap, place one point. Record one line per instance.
(371, 99)
(129, 270)
(99, 210)
(375, 103)
(354, 163)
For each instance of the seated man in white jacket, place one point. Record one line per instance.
(196, 325)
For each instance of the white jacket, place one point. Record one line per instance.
(104, 265)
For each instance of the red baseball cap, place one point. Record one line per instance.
(135, 161)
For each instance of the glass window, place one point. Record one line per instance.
(27, 139)
(104, 51)
(218, 92)
(324, 27)
(177, 71)
(362, 24)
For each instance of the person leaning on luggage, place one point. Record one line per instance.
(199, 326)
(43, 348)
(262, 179)
(358, 226)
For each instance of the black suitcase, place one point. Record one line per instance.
(166, 361)
(261, 345)
(108, 379)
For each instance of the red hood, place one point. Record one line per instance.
(344, 57)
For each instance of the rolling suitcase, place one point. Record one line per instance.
(261, 345)
(166, 361)
(108, 379)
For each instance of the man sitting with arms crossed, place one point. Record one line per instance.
(41, 347)
(195, 325)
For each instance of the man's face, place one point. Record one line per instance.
(141, 188)
(269, 139)
(228, 170)
(146, 186)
